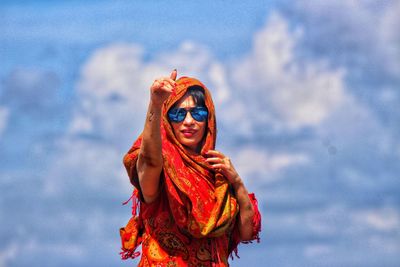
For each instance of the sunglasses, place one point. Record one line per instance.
(179, 114)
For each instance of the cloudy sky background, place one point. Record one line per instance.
(308, 107)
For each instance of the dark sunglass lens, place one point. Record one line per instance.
(177, 114)
(181, 114)
(199, 113)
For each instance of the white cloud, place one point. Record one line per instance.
(384, 244)
(81, 124)
(218, 78)
(347, 127)
(336, 219)
(67, 250)
(388, 29)
(31, 89)
(318, 250)
(249, 161)
(31, 246)
(384, 219)
(88, 163)
(71, 251)
(294, 92)
(4, 113)
(111, 90)
(115, 80)
(191, 59)
(112, 69)
(365, 32)
(388, 95)
(8, 254)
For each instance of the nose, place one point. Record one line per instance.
(188, 119)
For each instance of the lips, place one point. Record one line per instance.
(188, 132)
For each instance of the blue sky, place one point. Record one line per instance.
(308, 105)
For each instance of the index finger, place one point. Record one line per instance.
(214, 153)
(173, 75)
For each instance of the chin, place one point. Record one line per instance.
(190, 145)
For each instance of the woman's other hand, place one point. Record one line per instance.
(162, 88)
(220, 163)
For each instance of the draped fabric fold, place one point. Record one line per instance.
(196, 206)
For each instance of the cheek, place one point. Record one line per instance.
(203, 128)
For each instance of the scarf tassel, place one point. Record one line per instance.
(131, 234)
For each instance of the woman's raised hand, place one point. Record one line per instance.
(162, 88)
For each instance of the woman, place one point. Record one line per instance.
(194, 208)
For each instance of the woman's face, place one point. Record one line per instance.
(189, 132)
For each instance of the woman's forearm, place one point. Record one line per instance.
(150, 150)
(246, 211)
(149, 164)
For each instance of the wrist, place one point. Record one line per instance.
(237, 183)
(156, 105)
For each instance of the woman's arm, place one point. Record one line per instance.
(246, 210)
(149, 163)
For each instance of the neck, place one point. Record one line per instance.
(192, 151)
